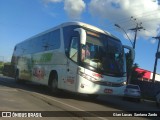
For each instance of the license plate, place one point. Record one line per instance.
(108, 91)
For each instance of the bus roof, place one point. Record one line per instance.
(87, 26)
(72, 23)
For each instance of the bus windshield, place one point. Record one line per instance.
(103, 54)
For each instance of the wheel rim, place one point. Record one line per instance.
(54, 85)
(16, 77)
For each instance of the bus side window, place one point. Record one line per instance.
(73, 53)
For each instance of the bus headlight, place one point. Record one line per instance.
(124, 83)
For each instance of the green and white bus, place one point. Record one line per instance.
(73, 56)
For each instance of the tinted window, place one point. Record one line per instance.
(21, 48)
(36, 45)
(53, 40)
(73, 54)
(104, 54)
(67, 33)
(48, 41)
(26, 47)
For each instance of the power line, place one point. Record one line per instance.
(148, 13)
(126, 19)
(142, 15)
(152, 19)
(125, 27)
(136, 29)
(125, 33)
(149, 31)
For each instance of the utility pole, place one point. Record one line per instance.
(136, 30)
(156, 58)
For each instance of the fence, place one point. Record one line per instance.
(148, 89)
(8, 70)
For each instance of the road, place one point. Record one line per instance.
(34, 97)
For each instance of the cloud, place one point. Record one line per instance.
(74, 8)
(153, 41)
(130, 35)
(120, 12)
(52, 1)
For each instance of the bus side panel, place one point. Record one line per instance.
(24, 67)
(45, 63)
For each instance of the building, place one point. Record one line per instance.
(147, 75)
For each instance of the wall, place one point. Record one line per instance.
(148, 89)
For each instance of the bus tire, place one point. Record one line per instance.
(53, 82)
(17, 77)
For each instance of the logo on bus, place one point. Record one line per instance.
(108, 91)
(39, 72)
(70, 80)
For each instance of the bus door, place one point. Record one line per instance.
(72, 64)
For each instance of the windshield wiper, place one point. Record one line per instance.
(117, 74)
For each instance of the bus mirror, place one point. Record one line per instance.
(131, 50)
(82, 34)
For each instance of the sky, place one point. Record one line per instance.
(21, 19)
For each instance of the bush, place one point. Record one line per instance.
(8, 70)
(1, 69)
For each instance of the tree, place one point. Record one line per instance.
(132, 74)
(129, 63)
(1, 66)
(135, 74)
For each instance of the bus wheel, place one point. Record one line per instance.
(17, 77)
(53, 84)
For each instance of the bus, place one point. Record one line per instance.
(75, 57)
